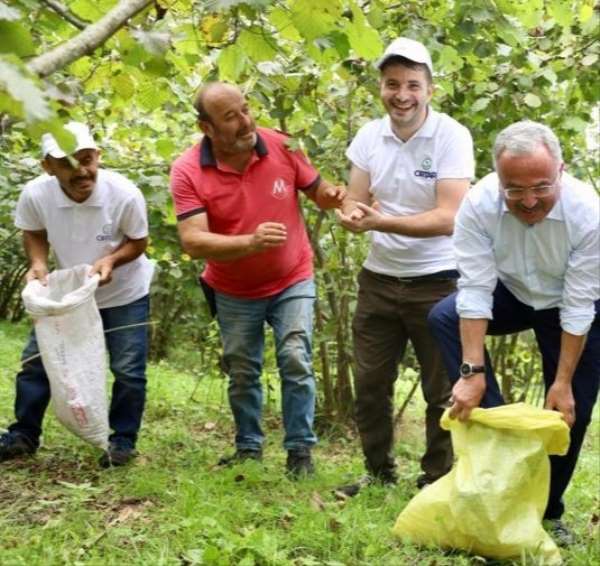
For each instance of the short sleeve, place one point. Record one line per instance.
(134, 221)
(185, 196)
(27, 215)
(358, 150)
(306, 174)
(456, 158)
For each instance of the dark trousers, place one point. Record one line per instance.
(127, 349)
(510, 316)
(389, 313)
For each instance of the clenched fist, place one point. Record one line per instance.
(39, 272)
(268, 235)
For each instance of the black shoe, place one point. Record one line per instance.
(240, 455)
(117, 455)
(425, 479)
(562, 535)
(299, 463)
(353, 489)
(14, 445)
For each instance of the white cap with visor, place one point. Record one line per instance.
(409, 49)
(83, 140)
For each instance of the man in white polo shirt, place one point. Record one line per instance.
(410, 171)
(527, 243)
(94, 216)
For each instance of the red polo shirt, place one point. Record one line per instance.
(236, 203)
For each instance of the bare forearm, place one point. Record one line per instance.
(571, 348)
(472, 338)
(199, 242)
(327, 196)
(349, 204)
(36, 247)
(219, 247)
(436, 222)
(358, 190)
(127, 251)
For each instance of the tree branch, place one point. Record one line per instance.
(89, 39)
(64, 12)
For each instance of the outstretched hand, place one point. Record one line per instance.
(362, 218)
(331, 197)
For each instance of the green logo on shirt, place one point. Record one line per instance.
(426, 163)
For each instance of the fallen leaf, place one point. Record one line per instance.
(340, 495)
(128, 512)
(287, 519)
(316, 502)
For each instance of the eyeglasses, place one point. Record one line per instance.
(540, 191)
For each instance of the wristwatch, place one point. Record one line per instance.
(467, 369)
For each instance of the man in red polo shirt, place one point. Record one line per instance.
(237, 204)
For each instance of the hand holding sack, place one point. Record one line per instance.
(70, 338)
(493, 500)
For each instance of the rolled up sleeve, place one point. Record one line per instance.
(582, 279)
(474, 255)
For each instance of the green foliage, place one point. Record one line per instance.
(173, 506)
(307, 67)
(21, 96)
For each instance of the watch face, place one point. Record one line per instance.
(465, 369)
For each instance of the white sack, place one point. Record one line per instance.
(70, 337)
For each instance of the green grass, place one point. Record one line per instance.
(174, 507)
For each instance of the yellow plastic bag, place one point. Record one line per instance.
(492, 501)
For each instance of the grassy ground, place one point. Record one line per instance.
(174, 507)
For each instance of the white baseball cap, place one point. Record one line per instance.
(83, 140)
(409, 49)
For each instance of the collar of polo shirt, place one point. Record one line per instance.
(207, 157)
(427, 130)
(95, 199)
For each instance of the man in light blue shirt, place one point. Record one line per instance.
(527, 243)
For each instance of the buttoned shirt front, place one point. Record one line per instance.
(403, 178)
(553, 263)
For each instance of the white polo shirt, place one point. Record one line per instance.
(84, 232)
(403, 180)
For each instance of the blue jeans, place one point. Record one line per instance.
(241, 322)
(510, 316)
(127, 349)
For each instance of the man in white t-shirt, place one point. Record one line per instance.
(410, 171)
(97, 217)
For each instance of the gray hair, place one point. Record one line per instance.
(524, 137)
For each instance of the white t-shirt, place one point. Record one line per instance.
(84, 232)
(403, 180)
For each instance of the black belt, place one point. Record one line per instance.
(437, 276)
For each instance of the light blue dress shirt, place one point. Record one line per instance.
(553, 263)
